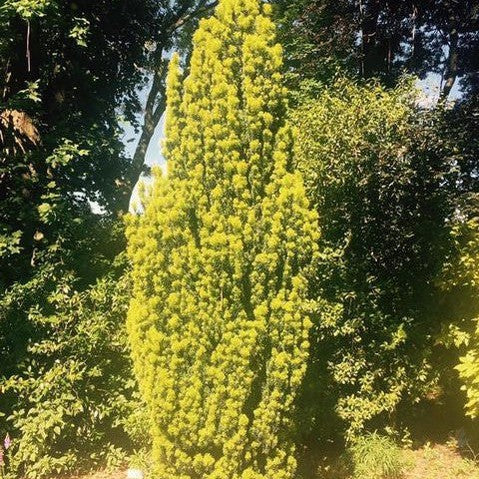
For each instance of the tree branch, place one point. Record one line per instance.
(155, 106)
(202, 8)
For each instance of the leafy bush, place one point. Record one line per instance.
(469, 373)
(460, 285)
(66, 380)
(379, 179)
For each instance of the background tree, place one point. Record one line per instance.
(384, 182)
(373, 38)
(218, 321)
(176, 22)
(68, 91)
(68, 73)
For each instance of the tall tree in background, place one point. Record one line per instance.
(433, 189)
(219, 321)
(321, 36)
(383, 38)
(383, 178)
(176, 22)
(66, 70)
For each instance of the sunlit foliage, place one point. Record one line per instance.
(219, 317)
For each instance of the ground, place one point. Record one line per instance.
(429, 462)
(440, 462)
(117, 474)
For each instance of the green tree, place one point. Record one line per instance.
(382, 181)
(219, 320)
(371, 38)
(67, 71)
(65, 74)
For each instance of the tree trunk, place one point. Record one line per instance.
(156, 102)
(450, 74)
(155, 107)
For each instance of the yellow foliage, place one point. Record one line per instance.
(223, 247)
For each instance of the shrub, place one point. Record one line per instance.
(378, 177)
(73, 388)
(376, 457)
(460, 284)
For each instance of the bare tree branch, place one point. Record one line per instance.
(450, 73)
(154, 109)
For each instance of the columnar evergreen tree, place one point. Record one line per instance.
(219, 320)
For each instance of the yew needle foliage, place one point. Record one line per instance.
(219, 320)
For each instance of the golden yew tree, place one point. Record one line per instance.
(219, 321)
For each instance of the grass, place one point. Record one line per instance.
(377, 457)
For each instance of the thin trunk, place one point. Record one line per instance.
(450, 74)
(390, 56)
(414, 29)
(154, 109)
(361, 33)
(156, 102)
(369, 15)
